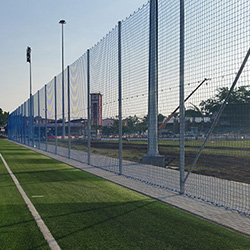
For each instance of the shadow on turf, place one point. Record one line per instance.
(24, 153)
(52, 175)
(25, 161)
(103, 213)
(23, 223)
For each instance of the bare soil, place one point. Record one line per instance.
(230, 167)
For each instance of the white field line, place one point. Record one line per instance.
(40, 223)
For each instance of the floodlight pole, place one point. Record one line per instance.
(28, 54)
(62, 22)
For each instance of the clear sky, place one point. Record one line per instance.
(35, 23)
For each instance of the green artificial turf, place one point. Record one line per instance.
(18, 230)
(86, 212)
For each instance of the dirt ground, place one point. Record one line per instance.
(228, 166)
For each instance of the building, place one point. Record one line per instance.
(96, 109)
(108, 122)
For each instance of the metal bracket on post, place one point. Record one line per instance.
(88, 99)
(120, 95)
(153, 156)
(55, 114)
(69, 139)
(46, 121)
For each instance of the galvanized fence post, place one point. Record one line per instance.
(25, 119)
(46, 120)
(63, 113)
(153, 156)
(32, 120)
(120, 96)
(69, 136)
(39, 118)
(29, 105)
(17, 123)
(88, 99)
(153, 86)
(55, 114)
(20, 124)
(23, 124)
(182, 108)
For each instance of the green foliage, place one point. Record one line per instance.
(3, 117)
(194, 111)
(237, 102)
(236, 113)
(131, 124)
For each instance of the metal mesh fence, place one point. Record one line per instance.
(80, 114)
(216, 44)
(78, 110)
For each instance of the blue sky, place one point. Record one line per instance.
(35, 23)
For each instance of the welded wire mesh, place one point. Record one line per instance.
(104, 101)
(50, 92)
(168, 90)
(79, 109)
(42, 119)
(36, 120)
(216, 42)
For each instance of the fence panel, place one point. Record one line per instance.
(217, 41)
(104, 102)
(36, 122)
(217, 113)
(78, 109)
(42, 119)
(50, 92)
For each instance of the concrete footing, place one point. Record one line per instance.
(157, 160)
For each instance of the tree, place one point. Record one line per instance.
(131, 125)
(194, 111)
(237, 110)
(3, 117)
